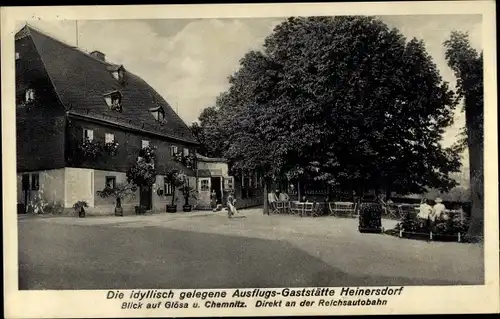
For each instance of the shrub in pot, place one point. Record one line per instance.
(119, 192)
(79, 208)
(176, 179)
(188, 193)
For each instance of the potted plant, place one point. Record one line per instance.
(79, 208)
(119, 192)
(176, 179)
(143, 172)
(188, 192)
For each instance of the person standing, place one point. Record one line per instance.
(213, 200)
(231, 202)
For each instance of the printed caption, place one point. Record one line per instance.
(151, 299)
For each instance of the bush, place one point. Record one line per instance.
(54, 209)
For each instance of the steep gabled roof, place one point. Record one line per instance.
(81, 81)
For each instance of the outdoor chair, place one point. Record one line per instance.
(308, 209)
(296, 208)
(317, 210)
(342, 208)
(273, 203)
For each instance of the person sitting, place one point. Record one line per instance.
(425, 212)
(438, 210)
(284, 197)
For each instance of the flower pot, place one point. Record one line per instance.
(171, 208)
(118, 211)
(187, 208)
(81, 212)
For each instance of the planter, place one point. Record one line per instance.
(187, 208)
(370, 218)
(81, 212)
(140, 210)
(171, 208)
(118, 211)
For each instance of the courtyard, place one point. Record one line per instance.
(208, 250)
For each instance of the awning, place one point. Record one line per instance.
(204, 173)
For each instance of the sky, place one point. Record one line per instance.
(188, 61)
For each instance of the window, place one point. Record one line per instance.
(204, 187)
(159, 115)
(29, 96)
(185, 151)
(17, 55)
(110, 182)
(229, 182)
(88, 134)
(145, 143)
(167, 188)
(114, 100)
(173, 150)
(118, 74)
(109, 138)
(35, 182)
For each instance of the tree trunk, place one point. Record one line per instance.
(475, 143)
(266, 208)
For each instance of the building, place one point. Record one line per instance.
(214, 177)
(81, 122)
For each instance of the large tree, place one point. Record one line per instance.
(467, 65)
(345, 100)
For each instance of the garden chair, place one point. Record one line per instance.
(273, 204)
(317, 210)
(308, 209)
(295, 208)
(342, 208)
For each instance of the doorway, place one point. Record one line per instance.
(217, 187)
(145, 197)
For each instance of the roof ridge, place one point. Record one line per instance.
(76, 48)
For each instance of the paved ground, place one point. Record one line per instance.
(207, 250)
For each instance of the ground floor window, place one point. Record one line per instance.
(110, 182)
(167, 189)
(204, 185)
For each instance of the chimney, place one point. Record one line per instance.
(98, 55)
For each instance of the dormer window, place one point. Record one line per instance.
(158, 114)
(114, 100)
(29, 96)
(118, 75)
(117, 72)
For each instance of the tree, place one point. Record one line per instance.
(208, 133)
(467, 65)
(344, 100)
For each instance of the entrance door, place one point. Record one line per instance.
(146, 197)
(217, 186)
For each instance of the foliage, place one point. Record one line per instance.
(467, 64)
(370, 215)
(111, 147)
(342, 99)
(186, 160)
(143, 172)
(80, 204)
(176, 179)
(119, 192)
(89, 149)
(188, 192)
(55, 208)
(37, 203)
